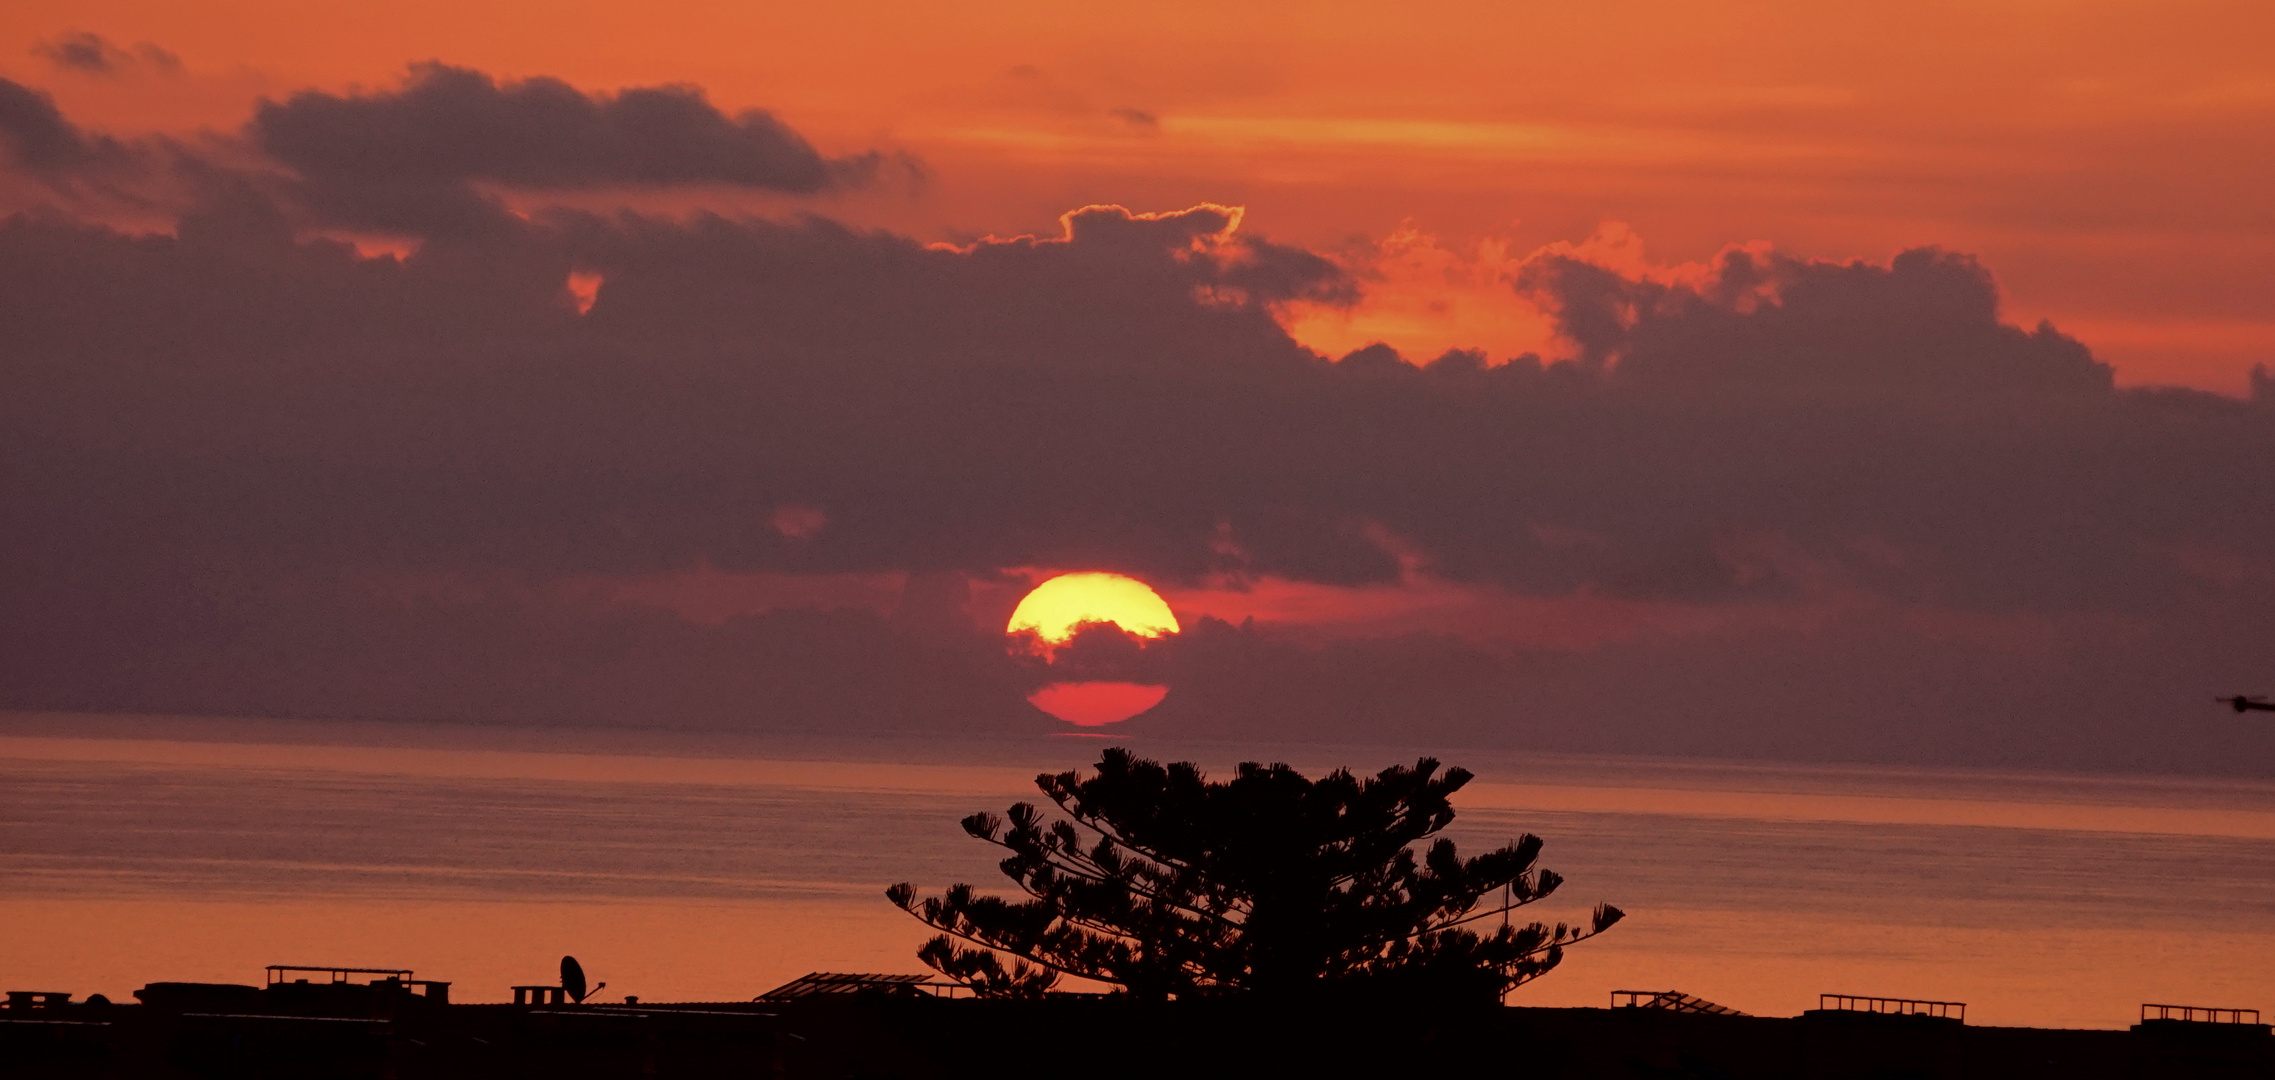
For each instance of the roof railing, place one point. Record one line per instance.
(1670, 1001)
(36, 999)
(2198, 1014)
(832, 983)
(436, 991)
(278, 973)
(1885, 1006)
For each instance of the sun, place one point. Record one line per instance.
(1059, 605)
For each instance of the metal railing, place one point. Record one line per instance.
(278, 973)
(826, 983)
(1941, 1010)
(36, 999)
(2198, 1014)
(281, 977)
(1669, 1000)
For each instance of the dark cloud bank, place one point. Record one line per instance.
(408, 159)
(38, 142)
(1902, 529)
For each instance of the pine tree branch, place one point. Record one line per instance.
(1487, 914)
(1084, 820)
(1027, 956)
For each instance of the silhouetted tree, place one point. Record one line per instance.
(1167, 884)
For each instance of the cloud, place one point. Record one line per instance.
(39, 140)
(321, 648)
(1761, 322)
(1121, 393)
(45, 158)
(1888, 508)
(1139, 120)
(409, 158)
(92, 54)
(1873, 683)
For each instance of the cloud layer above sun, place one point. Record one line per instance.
(1773, 504)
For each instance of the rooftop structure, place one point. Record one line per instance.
(2198, 1022)
(2198, 1014)
(36, 999)
(1847, 1005)
(1669, 1000)
(826, 983)
(294, 978)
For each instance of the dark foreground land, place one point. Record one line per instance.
(1074, 1038)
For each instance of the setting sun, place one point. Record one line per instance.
(1059, 605)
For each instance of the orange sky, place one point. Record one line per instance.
(1967, 550)
(2108, 160)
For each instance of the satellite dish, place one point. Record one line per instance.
(573, 978)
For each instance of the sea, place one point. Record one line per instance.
(689, 866)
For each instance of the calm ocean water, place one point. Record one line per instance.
(694, 867)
